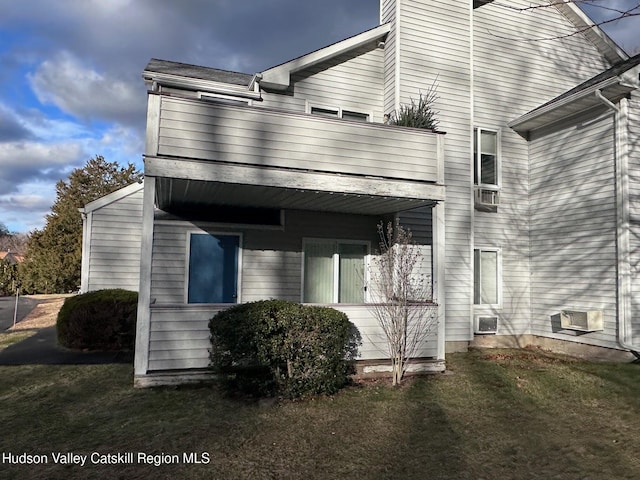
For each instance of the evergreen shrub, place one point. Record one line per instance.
(100, 320)
(276, 347)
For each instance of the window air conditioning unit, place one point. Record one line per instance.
(583, 321)
(486, 197)
(486, 324)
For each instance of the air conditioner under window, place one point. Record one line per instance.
(584, 321)
(487, 197)
(486, 324)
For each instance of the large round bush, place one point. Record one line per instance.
(100, 320)
(285, 348)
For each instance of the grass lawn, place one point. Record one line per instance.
(10, 338)
(500, 414)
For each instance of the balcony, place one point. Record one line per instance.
(200, 151)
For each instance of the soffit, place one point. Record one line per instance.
(181, 192)
(614, 84)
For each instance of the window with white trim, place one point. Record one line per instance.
(486, 276)
(326, 112)
(337, 112)
(334, 271)
(355, 116)
(486, 171)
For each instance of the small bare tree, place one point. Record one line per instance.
(402, 296)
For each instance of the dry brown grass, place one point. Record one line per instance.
(512, 414)
(43, 315)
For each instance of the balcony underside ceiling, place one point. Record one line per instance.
(183, 193)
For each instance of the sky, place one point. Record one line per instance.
(70, 72)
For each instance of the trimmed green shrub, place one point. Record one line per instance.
(276, 347)
(100, 320)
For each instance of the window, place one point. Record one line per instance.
(334, 271)
(224, 99)
(213, 268)
(486, 170)
(355, 116)
(486, 281)
(325, 112)
(335, 112)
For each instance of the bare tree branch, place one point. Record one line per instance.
(620, 14)
(402, 300)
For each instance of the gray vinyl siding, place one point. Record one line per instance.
(511, 77)
(271, 258)
(179, 336)
(634, 212)
(419, 223)
(354, 84)
(435, 43)
(388, 15)
(573, 226)
(351, 81)
(199, 130)
(114, 257)
(271, 262)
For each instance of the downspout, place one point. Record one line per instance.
(87, 220)
(622, 222)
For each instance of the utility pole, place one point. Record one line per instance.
(15, 310)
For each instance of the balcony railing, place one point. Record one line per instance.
(253, 136)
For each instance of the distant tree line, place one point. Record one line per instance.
(11, 244)
(53, 254)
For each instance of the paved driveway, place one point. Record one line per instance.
(7, 307)
(42, 348)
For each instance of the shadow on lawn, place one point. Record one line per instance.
(536, 420)
(506, 416)
(436, 443)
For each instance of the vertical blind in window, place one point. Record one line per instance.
(318, 273)
(485, 277)
(351, 268)
(334, 272)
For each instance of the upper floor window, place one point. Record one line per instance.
(326, 112)
(224, 99)
(337, 112)
(486, 171)
(355, 116)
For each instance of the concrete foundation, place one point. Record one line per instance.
(578, 350)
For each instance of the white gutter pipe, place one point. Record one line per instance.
(622, 223)
(608, 103)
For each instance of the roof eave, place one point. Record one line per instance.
(112, 197)
(611, 51)
(279, 77)
(198, 84)
(612, 88)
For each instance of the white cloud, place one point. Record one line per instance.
(24, 162)
(22, 211)
(623, 31)
(11, 125)
(38, 155)
(85, 93)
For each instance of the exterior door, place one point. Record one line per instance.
(213, 268)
